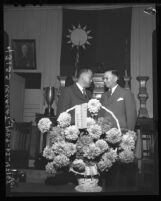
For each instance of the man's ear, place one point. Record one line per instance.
(116, 78)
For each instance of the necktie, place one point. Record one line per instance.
(84, 92)
(110, 92)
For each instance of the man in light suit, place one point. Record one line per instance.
(122, 103)
(77, 93)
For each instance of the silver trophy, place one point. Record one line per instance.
(49, 95)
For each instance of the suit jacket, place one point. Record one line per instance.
(71, 96)
(122, 104)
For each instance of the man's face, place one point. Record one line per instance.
(109, 79)
(24, 49)
(87, 78)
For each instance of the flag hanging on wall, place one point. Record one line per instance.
(106, 42)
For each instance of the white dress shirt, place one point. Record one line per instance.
(113, 89)
(80, 87)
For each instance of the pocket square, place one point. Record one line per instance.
(119, 99)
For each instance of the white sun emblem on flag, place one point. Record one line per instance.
(79, 36)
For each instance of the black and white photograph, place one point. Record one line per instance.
(81, 109)
(24, 54)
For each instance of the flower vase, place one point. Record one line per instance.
(143, 96)
(89, 181)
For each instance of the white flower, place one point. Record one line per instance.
(95, 131)
(94, 105)
(111, 155)
(127, 142)
(61, 161)
(56, 134)
(79, 164)
(104, 164)
(71, 133)
(50, 168)
(64, 119)
(70, 149)
(102, 144)
(132, 134)
(91, 151)
(126, 156)
(48, 153)
(90, 121)
(58, 147)
(77, 161)
(113, 135)
(44, 124)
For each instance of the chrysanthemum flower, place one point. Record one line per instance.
(111, 154)
(126, 156)
(86, 139)
(64, 119)
(94, 106)
(78, 164)
(56, 134)
(69, 149)
(44, 124)
(91, 151)
(58, 147)
(61, 161)
(102, 144)
(132, 134)
(50, 168)
(95, 131)
(104, 165)
(113, 135)
(71, 133)
(127, 142)
(48, 153)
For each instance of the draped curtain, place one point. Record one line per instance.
(110, 30)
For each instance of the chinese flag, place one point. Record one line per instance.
(110, 43)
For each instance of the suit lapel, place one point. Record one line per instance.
(113, 97)
(78, 93)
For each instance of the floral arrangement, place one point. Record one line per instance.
(87, 151)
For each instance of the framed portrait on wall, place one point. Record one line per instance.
(24, 54)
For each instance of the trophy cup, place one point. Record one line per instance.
(49, 95)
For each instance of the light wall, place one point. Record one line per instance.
(44, 24)
(141, 52)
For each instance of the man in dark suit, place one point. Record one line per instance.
(70, 96)
(122, 103)
(77, 93)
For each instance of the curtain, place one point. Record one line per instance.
(109, 45)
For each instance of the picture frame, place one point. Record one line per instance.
(24, 54)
